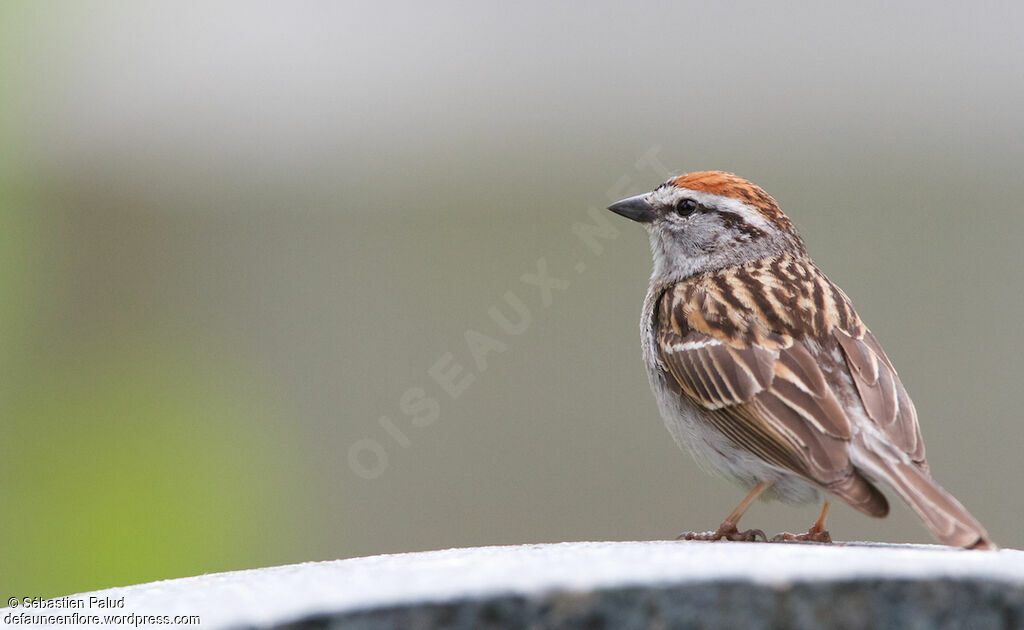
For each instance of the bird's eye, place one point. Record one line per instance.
(686, 207)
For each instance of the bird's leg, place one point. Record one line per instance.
(817, 532)
(727, 530)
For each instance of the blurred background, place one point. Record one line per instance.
(262, 294)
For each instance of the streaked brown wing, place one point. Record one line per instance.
(774, 403)
(715, 373)
(882, 393)
(765, 391)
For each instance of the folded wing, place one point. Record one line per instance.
(766, 392)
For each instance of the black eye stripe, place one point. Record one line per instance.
(734, 221)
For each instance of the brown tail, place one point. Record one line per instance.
(947, 520)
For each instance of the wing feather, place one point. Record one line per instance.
(787, 415)
(713, 373)
(766, 391)
(885, 400)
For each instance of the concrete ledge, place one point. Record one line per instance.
(609, 585)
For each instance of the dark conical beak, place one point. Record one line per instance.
(635, 208)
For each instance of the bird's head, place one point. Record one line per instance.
(710, 220)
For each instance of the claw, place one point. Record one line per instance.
(811, 536)
(726, 531)
(817, 533)
(751, 535)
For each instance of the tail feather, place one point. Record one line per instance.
(945, 517)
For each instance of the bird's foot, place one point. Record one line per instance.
(812, 535)
(817, 533)
(726, 531)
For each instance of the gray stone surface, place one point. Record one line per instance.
(611, 585)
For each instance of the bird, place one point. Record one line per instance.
(763, 370)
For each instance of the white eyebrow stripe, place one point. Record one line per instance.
(670, 195)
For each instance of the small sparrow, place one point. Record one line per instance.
(763, 370)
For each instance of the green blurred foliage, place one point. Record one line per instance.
(123, 459)
(17, 224)
(130, 463)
